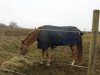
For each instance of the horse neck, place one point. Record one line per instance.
(32, 37)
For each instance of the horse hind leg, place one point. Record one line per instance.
(74, 54)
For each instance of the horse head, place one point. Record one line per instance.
(23, 48)
(30, 38)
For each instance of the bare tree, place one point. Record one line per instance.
(13, 25)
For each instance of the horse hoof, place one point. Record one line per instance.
(41, 62)
(47, 65)
(73, 63)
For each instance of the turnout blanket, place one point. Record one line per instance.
(52, 36)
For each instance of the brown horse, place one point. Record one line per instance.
(35, 35)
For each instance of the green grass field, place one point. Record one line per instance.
(10, 59)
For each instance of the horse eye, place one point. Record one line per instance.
(21, 48)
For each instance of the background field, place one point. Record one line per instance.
(10, 39)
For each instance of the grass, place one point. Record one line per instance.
(29, 64)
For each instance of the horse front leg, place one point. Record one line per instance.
(74, 54)
(45, 57)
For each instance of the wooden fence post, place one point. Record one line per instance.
(92, 52)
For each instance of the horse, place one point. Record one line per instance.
(53, 36)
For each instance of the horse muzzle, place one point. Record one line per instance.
(23, 52)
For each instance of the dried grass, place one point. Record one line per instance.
(17, 63)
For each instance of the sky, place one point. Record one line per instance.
(35, 13)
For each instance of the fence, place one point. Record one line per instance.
(92, 55)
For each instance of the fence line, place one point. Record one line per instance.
(92, 53)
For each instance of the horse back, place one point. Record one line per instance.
(58, 36)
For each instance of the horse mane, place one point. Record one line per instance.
(31, 36)
(27, 35)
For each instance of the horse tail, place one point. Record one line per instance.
(80, 49)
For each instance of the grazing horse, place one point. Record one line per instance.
(53, 36)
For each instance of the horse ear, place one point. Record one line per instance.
(22, 41)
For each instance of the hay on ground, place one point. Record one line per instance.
(17, 63)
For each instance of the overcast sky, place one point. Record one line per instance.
(34, 13)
